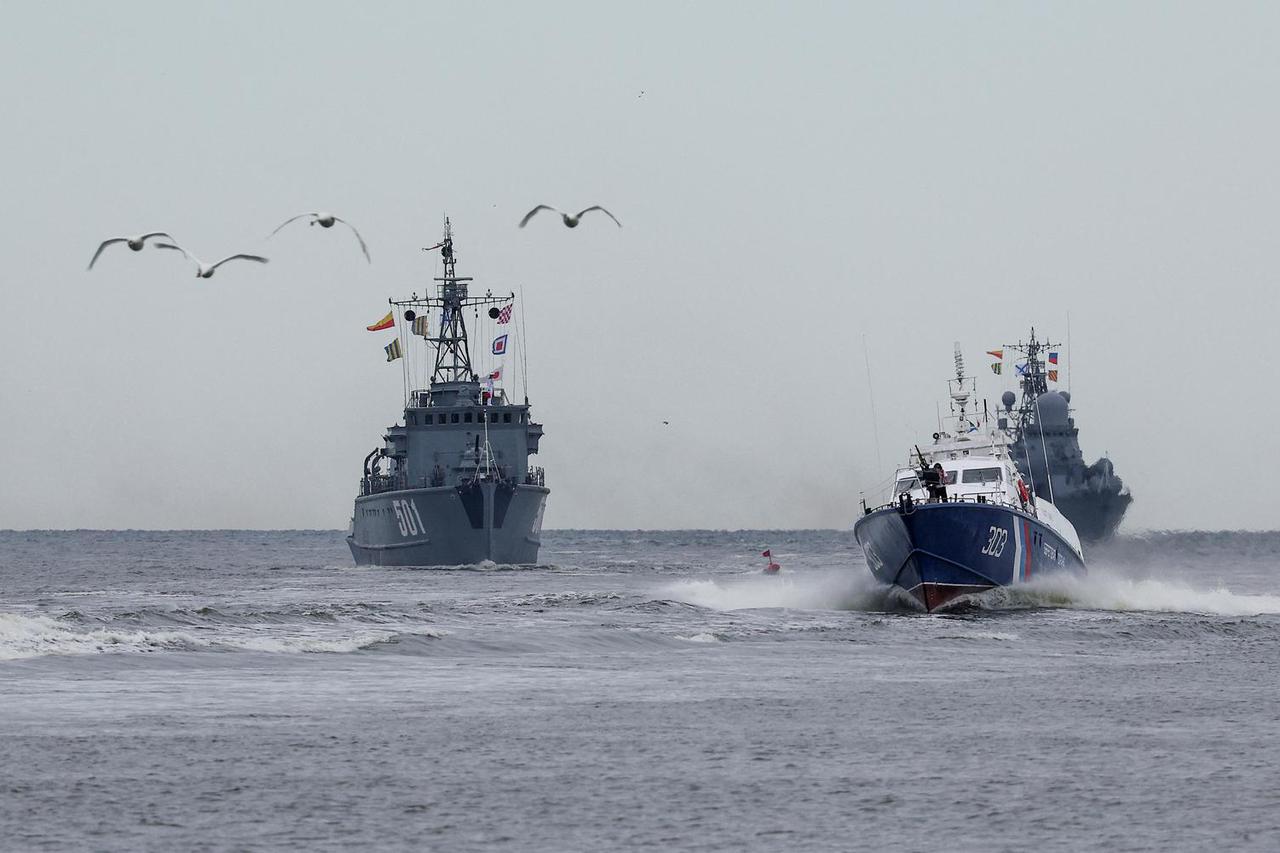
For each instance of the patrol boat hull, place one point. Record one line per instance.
(938, 552)
(449, 525)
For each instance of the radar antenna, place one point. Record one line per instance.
(961, 389)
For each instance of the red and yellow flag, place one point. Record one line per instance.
(385, 323)
(996, 353)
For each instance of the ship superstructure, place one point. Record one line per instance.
(451, 483)
(1046, 449)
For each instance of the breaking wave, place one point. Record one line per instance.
(31, 636)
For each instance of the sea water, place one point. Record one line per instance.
(638, 690)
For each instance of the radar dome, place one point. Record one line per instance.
(1007, 399)
(1066, 395)
(1053, 408)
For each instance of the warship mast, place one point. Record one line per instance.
(453, 354)
(1047, 449)
(1033, 380)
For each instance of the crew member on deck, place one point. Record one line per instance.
(935, 481)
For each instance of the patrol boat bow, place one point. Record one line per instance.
(451, 485)
(976, 526)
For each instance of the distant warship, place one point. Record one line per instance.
(451, 485)
(1046, 448)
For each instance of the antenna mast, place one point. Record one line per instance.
(1032, 378)
(961, 390)
(453, 356)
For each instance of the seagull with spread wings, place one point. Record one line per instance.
(326, 220)
(204, 270)
(135, 243)
(570, 220)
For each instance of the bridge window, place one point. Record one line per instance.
(467, 417)
(906, 485)
(506, 417)
(981, 475)
(493, 417)
(454, 417)
(413, 420)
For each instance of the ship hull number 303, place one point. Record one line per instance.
(407, 517)
(996, 542)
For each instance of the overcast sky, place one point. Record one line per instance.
(792, 178)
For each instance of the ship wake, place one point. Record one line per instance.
(840, 590)
(1104, 589)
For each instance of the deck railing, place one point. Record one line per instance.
(906, 503)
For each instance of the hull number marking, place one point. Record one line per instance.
(407, 517)
(996, 542)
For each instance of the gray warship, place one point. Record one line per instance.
(1046, 448)
(451, 485)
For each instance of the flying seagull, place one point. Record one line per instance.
(570, 221)
(204, 270)
(326, 220)
(135, 243)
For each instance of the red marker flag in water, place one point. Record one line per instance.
(767, 553)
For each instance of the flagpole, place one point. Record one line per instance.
(524, 349)
(1070, 352)
(404, 362)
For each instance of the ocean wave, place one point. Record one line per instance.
(32, 636)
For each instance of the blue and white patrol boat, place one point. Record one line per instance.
(960, 520)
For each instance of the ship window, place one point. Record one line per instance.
(467, 417)
(906, 485)
(981, 475)
(413, 420)
(949, 477)
(506, 417)
(440, 418)
(493, 417)
(454, 417)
